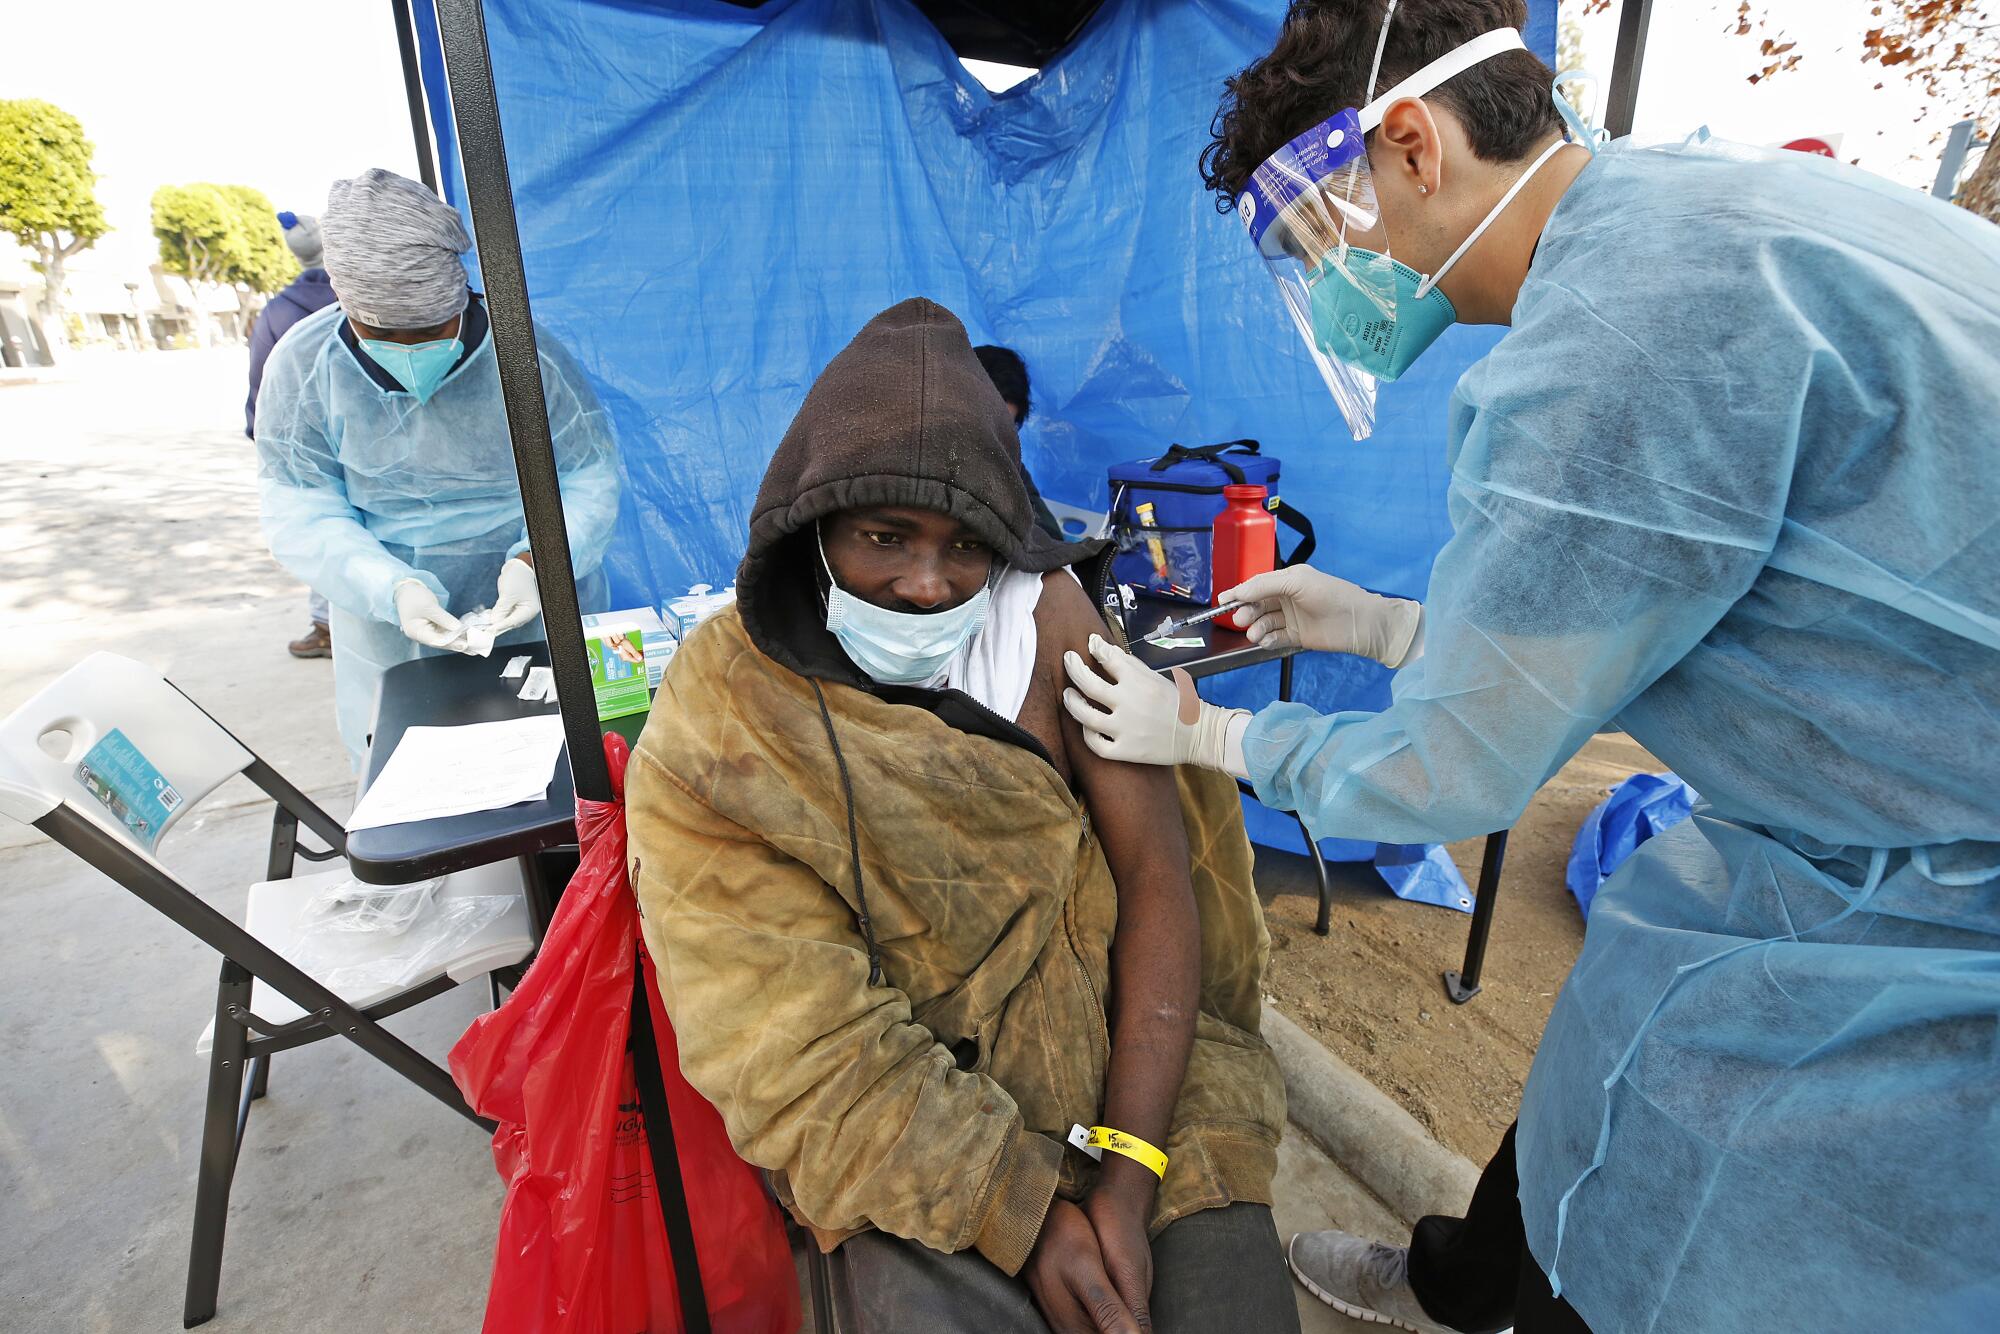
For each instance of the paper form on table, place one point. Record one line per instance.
(441, 771)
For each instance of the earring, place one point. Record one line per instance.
(1423, 189)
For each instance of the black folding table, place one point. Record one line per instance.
(448, 691)
(1221, 650)
(1225, 650)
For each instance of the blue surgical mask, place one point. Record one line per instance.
(418, 367)
(900, 648)
(1348, 325)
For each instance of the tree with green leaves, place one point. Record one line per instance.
(218, 236)
(265, 262)
(199, 233)
(48, 192)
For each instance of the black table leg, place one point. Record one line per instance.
(1463, 985)
(1324, 924)
(541, 898)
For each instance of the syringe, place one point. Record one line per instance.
(1168, 629)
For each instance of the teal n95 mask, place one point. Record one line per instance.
(1350, 325)
(418, 367)
(899, 648)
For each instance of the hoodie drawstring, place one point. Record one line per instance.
(853, 842)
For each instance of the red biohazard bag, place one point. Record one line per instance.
(582, 1247)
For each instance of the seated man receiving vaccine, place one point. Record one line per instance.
(915, 937)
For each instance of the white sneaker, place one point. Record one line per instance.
(1361, 1279)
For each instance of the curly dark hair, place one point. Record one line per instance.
(1322, 59)
(1008, 372)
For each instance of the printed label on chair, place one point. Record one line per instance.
(126, 784)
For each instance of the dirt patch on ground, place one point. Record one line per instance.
(1372, 991)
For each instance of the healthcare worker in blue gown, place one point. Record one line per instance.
(1730, 483)
(385, 467)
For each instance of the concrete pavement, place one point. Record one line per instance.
(359, 1203)
(128, 523)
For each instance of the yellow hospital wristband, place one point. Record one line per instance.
(1130, 1146)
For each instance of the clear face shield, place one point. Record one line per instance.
(1311, 211)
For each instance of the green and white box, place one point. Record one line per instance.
(684, 613)
(629, 651)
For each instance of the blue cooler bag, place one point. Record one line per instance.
(1184, 488)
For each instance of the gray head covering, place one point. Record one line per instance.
(392, 251)
(302, 235)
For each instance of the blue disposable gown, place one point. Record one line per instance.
(363, 488)
(1730, 482)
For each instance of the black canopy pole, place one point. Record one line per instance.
(413, 93)
(1634, 18)
(482, 156)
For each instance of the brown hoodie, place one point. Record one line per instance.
(793, 822)
(904, 415)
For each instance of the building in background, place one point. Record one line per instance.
(108, 307)
(177, 318)
(23, 344)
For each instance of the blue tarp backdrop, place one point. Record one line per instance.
(712, 200)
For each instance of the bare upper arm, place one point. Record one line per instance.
(1135, 807)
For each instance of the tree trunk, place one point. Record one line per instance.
(204, 325)
(1981, 192)
(54, 327)
(250, 305)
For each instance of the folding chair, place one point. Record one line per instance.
(1077, 521)
(818, 1311)
(821, 1313)
(110, 809)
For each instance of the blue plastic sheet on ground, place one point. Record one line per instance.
(1638, 808)
(1423, 874)
(712, 200)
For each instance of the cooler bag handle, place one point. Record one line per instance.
(1209, 454)
(1299, 524)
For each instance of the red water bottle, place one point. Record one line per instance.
(1246, 540)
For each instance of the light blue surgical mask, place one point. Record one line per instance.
(900, 648)
(418, 367)
(1348, 324)
(1580, 134)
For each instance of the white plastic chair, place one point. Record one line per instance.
(113, 816)
(1077, 521)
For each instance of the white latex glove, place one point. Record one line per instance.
(516, 600)
(423, 618)
(1300, 607)
(1141, 717)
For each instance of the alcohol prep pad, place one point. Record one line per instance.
(125, 783)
